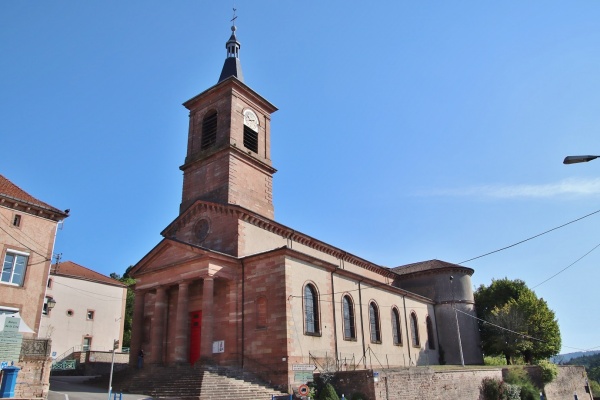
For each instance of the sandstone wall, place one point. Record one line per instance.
(424, 383)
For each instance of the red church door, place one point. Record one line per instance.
(195, 335)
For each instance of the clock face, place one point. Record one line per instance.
(251, 120)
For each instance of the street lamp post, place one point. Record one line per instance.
(578, 159)
(462, 359)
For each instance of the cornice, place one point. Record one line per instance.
(232, 148)
(276, 228)
(234, 83)
(30, 208)
(288, 252)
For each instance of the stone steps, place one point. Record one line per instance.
(198, 382)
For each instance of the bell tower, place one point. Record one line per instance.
(228, 157)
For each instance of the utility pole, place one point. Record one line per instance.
(112, 364)
(462, 359)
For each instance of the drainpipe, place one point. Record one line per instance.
(335, 341)
(243, 314)
(408, 342)
(362, 327)
(437, 332)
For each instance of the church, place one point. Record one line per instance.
(229, 285)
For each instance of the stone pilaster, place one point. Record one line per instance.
(182, 330)
(158, 326)
(138, 327)
(207, 317)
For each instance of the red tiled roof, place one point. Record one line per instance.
(12, 191)
(70, 269)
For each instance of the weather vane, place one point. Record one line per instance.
(234, 17)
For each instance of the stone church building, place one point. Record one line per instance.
(230, 285)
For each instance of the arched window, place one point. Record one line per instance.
(348, 310)
(261, 312)
(374, 322)
(311, 310)
(396, 329)
(209, 130)
(414, 327)
(430, 337)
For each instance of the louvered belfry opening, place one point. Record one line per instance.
(250, 139)
(209, 131)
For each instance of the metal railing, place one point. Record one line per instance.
(68, 353)
(64, 365)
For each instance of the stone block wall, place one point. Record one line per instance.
(33, 381)
(424, 383)
(427, 384)
(571, 379)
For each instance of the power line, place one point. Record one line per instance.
(87, 291)
(24, 245)
(528, 239)
(23, 234)
(567, 267)
(514, 332)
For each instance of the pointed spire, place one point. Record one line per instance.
(232, 66)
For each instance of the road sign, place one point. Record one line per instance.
(303, 367)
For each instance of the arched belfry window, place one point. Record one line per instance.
(374, 323)
(430, 337)
(348, 311)
(396, 327)
(209, 130)
(251, 131)
(414, 327)
(311, 310)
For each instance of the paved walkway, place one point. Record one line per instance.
(75, 388)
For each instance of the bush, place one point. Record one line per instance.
(549, 371)
(492, 389)
(519, 377)
(328, 393)
(358, 396)
(513, 392)
(494, 360)
(529, 392)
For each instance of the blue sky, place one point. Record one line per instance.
(406, 131)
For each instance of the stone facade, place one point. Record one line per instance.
(26, 246)
(231, 285)
(33, 381)
(26, 221)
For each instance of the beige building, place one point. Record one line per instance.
(89, 311)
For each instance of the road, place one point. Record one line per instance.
(75, 388)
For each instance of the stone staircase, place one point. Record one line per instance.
(203, 382)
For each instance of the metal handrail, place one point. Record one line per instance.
(67, 353)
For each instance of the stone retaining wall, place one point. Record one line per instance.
(425, 383)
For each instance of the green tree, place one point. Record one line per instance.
(129, 282)
(328, 393)
(530, 331)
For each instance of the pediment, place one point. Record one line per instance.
(187, 220)
(168, 253)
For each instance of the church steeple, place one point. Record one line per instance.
(232, 66)
(228, 157)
